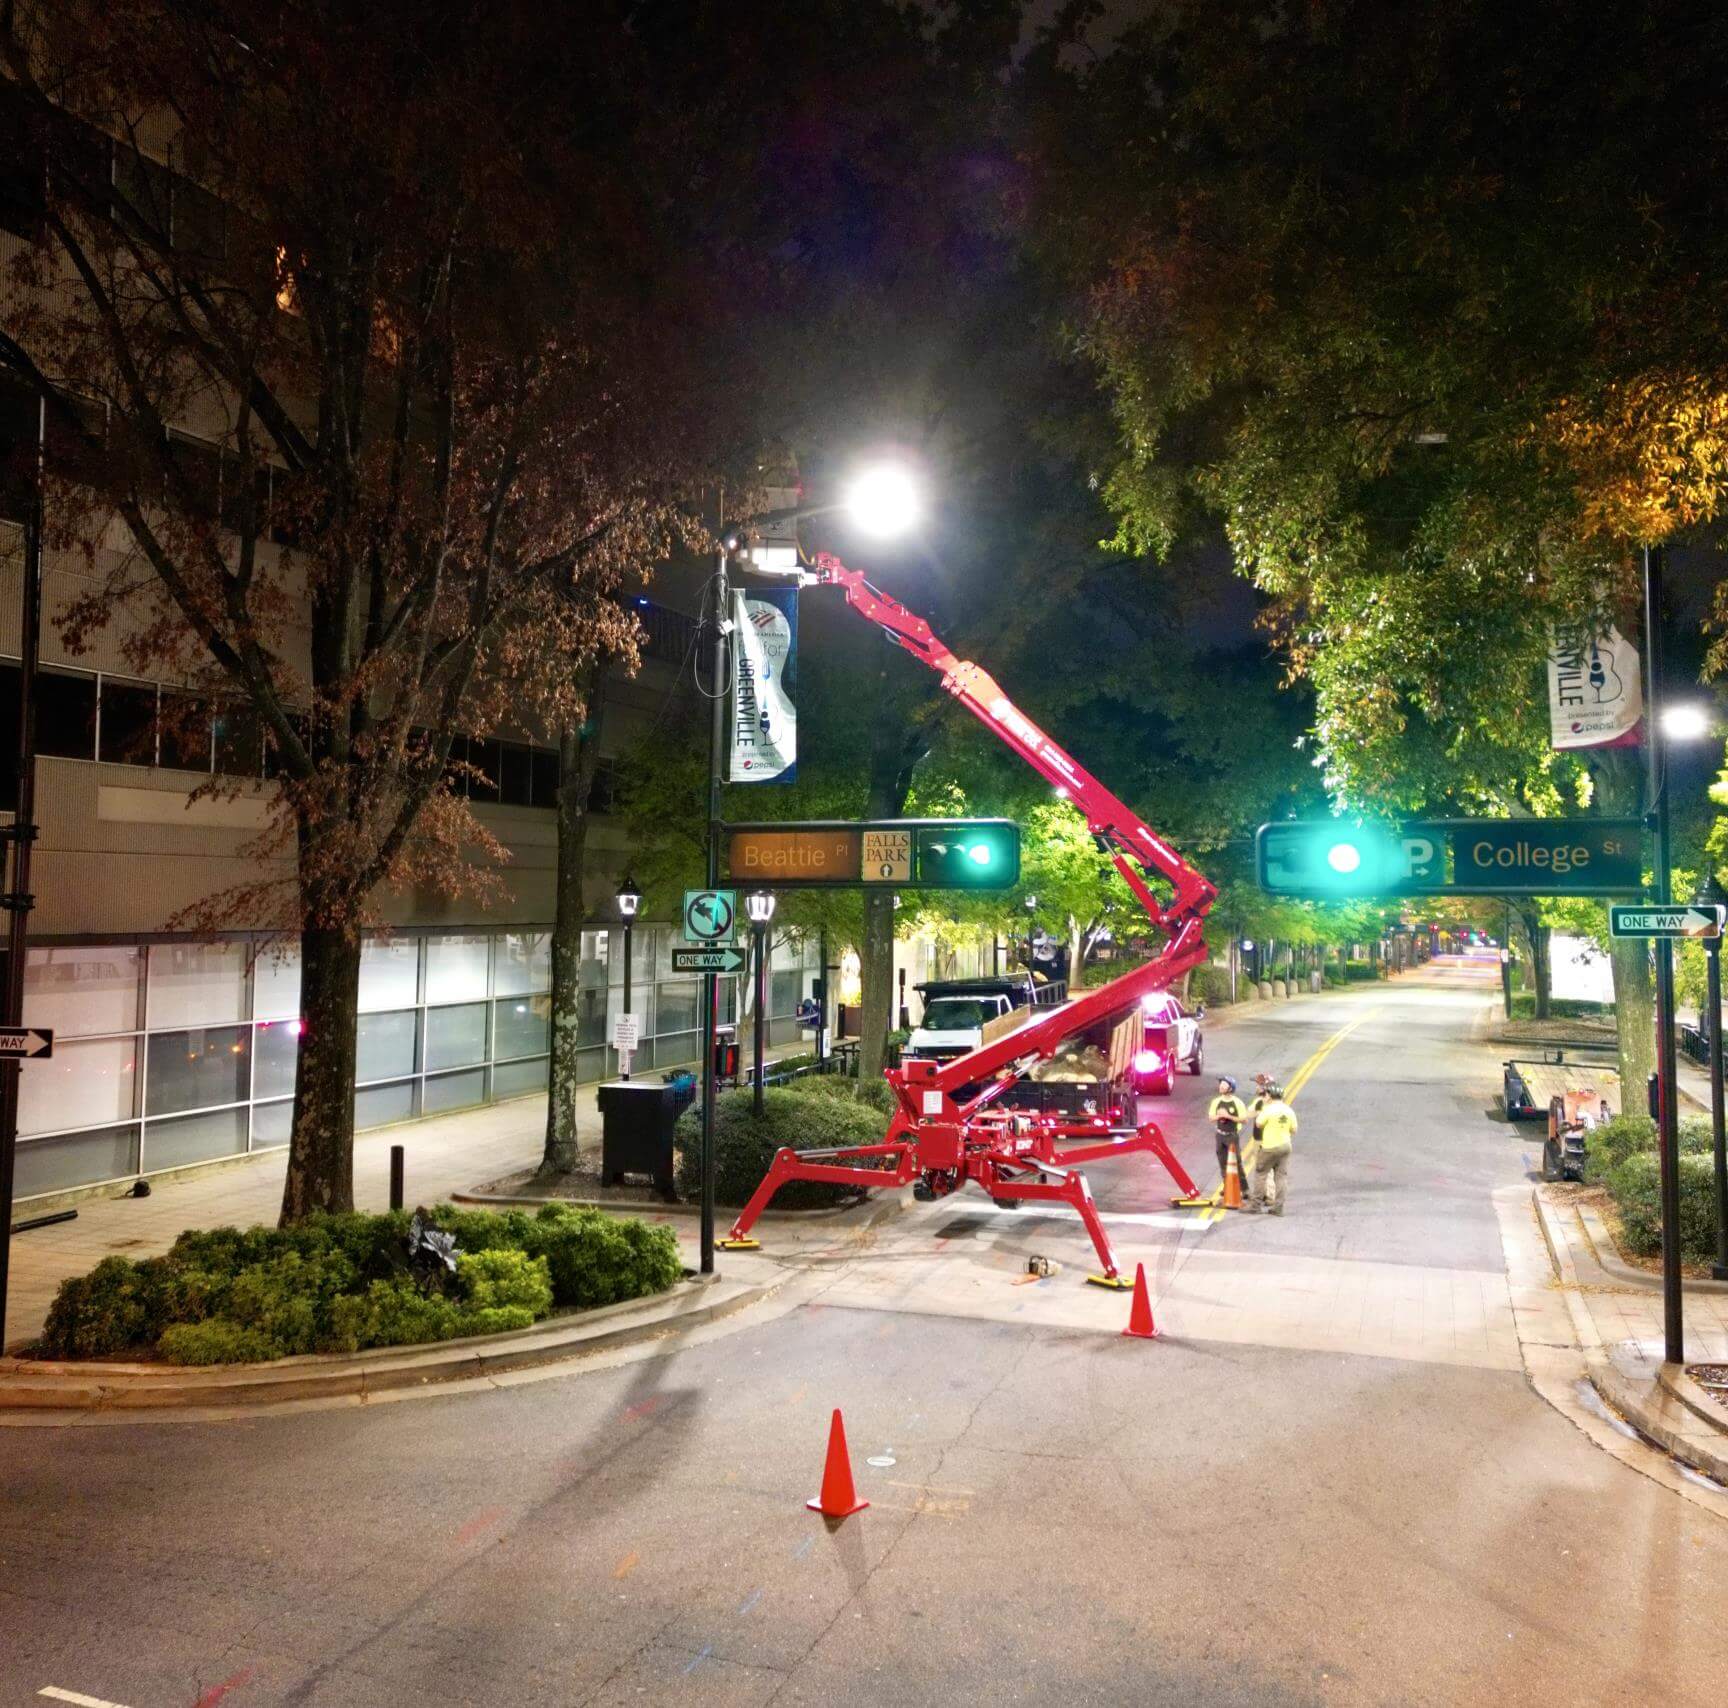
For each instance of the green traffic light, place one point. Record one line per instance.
(1344, 857)
(967, 855)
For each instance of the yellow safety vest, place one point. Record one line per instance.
(1228, 1105)
(1275, 1125)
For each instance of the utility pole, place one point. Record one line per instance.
(18, 900)
(720, 689)
(1667, 1118)
(1712, 894)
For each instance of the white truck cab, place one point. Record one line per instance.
(1172, 1038)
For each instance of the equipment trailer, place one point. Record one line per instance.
(949, 1126)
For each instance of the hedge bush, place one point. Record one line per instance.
(744, 1144)
(1635, 1188)
(1210, 985)
(874, 1093)
(341, 1283)
(1626, 1136)
(1361, 972)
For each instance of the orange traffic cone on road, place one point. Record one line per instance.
(1140, 1312)
(1232, 1182)
(838, 1499)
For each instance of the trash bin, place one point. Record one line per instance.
(637, 1119)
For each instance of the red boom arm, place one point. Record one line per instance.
(936, 1136)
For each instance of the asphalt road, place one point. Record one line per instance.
(1068, 1517)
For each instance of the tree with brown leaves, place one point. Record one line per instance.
(344, 316)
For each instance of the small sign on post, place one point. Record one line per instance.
(26, 1041)
(710, 916)
(1689, 922)
(707, 960)
(626, 1033)
(887, 856)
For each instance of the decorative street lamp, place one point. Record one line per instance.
(883, 500)
(759, 910)
(629, 900)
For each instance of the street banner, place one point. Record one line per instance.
(765, 678)
(1595, 694)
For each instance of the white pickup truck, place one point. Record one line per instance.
(1172, 1038)
(961, 1015)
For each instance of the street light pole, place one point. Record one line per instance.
(759, 906)
(1668, 1134)
(629, 900)
(720, 690)
(18, 900)
(1712, 894)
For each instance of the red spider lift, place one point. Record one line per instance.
(945, 1131)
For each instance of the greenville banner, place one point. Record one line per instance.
(765, 678)
(1595, 695)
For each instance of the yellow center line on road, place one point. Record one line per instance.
(1306, 1072)
(1215, 1212)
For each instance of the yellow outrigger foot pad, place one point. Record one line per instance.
(1117, 1283)
(739, 1244)
(1195, 1203)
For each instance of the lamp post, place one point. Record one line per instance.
(884, 500)
(1710, 893)
(1667, 1114)
(759, 909)
(629, 900)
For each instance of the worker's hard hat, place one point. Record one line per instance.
(1227, 1082)
(1273, 1089)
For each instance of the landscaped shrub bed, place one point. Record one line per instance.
(801, 1117)
(343, 1283)
(1621, 1155)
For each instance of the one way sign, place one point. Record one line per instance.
(26, 1041)
(1686, 921)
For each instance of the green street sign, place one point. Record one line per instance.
(710, 916)
(1685, 922)
(898, 853)
(708, 960)
(1331, 859)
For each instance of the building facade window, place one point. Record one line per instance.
(169, 1053)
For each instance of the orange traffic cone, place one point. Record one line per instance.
(838, 1499)
(1232, 1182)
(1140, 1312)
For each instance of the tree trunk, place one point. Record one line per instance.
(1541, 967)
(1620, 794)
(578, 754)
(321, 1146)
(896, 748)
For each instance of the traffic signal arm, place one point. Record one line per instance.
(1132, 844)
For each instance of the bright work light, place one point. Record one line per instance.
(1685, 722)
(884, 500)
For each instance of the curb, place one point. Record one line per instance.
(635, 1207)
(1612, 1263)
(27, 1385)
(1662, 1410)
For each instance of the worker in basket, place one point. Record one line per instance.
(1274, 1129)
(1226, 1112)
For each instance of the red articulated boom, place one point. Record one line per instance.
(934, 1137)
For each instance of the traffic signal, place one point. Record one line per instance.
(967, 854)
(1333, 858)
